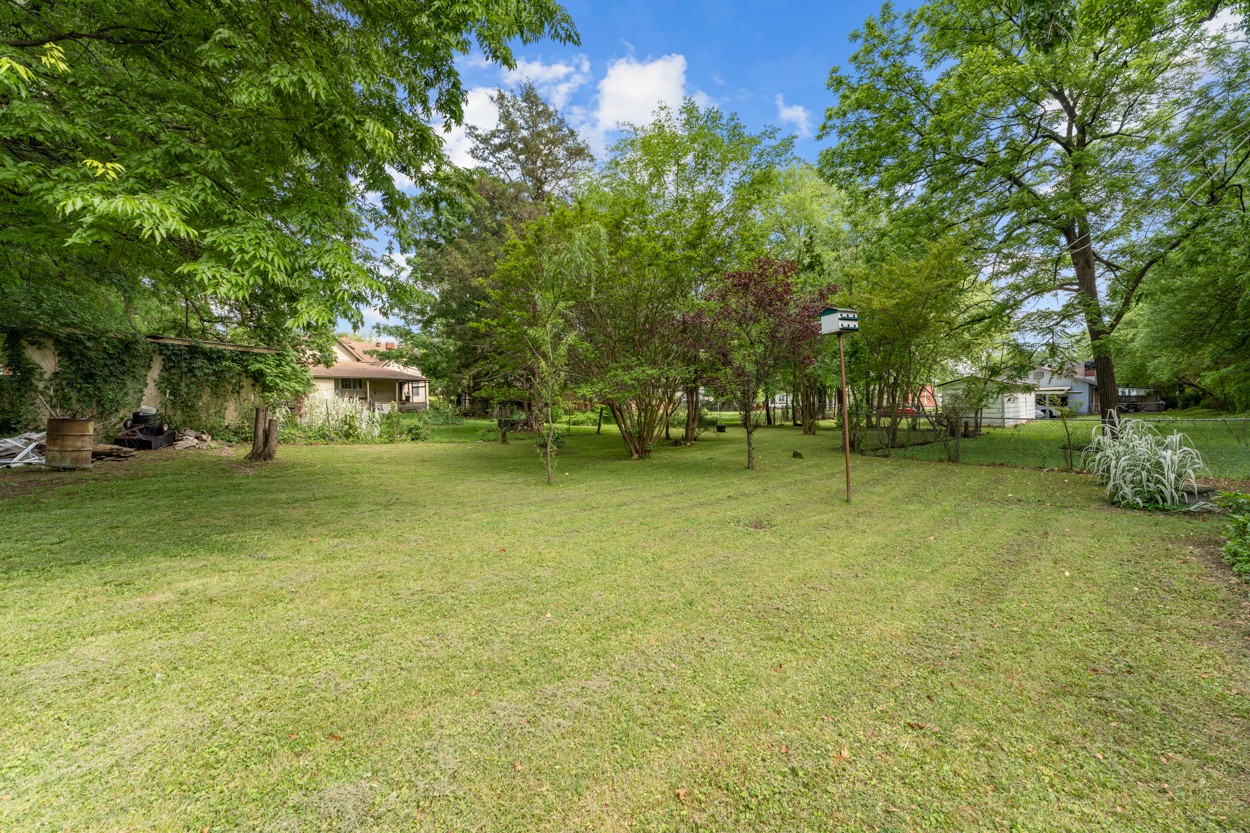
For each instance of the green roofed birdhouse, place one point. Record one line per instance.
(834, 320)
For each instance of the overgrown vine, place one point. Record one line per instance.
(197, 384)
(98, 377)
(20, 381)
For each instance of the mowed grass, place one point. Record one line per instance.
(427, 637)
(1223, 443)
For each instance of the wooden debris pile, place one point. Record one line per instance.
(107, 451)
(22, 450)
(190, 438)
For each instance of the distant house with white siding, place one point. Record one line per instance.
(1013, 406)
(358, 373)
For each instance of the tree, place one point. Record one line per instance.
(530, 162)
(678, 200)
(532, 147)
(1191, 328)
(532, 294)
(1085, 154)
(808, 223)
(922, 315)
(752, 325)
(440, 327)
(222, 150)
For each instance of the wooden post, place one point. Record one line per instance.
(846, 429)
(368, 392)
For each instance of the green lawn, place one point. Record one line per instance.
(426, 637)
(1224, 444)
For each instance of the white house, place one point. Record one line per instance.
(358, 373)
(1065, 388)
(1011, 408)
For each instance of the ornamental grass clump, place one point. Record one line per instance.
(1141, 467)
(340, 419)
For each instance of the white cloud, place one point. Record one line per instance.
(556, 82)
(795, 115)
(631, 90)
(402, 181)
(479, 111)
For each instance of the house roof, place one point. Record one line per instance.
(364, 370)
(364, 350)
(1018, 386)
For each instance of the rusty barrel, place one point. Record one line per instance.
(69, 443)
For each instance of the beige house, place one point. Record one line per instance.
(358, 373)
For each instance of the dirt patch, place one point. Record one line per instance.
(34, 479)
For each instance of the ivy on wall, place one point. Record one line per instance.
(197, 384)
(98, 377)
(20, 382)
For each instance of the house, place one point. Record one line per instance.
(358, 373)
(1014, 406)
(1076, 387)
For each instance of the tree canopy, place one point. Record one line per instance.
(226, 149)
(1082, 157)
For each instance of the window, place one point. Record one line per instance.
(352, 384)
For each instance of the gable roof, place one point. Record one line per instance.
(364, 365)
(364, 370)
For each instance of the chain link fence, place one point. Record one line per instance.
(1057, 443)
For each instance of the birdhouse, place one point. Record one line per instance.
(834, 320)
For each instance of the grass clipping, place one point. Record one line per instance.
(1142, 468)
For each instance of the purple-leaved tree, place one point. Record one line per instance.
(753, 323)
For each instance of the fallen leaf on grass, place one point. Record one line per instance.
(826, 718)
(516, 767)
(682, 792)
(912, 724)
(844, 755)
(292, 735)
(334, 736)
(785, 749)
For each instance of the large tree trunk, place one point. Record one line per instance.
(271, 440)
(259, 423)
(692, 414)
(1085, 268)
(264, 437)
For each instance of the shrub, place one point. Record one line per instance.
(419, 429)
(1141, 467)
(488, 435)
(557, 439)
(1237, 531)
(590, 417)
(392, 428)
(339, 419)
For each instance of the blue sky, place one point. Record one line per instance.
(767, 61)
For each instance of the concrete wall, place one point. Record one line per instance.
(238, 409)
